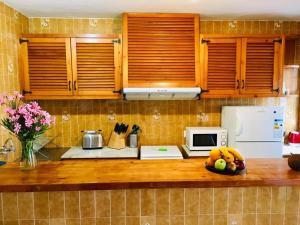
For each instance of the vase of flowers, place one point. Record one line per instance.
(26, 121)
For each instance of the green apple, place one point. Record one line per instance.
(220, 164)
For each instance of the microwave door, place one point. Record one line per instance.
(205, 140)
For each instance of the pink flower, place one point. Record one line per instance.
(22, 110)
(17, 128)
(10, 111)
(15, 117)
(18, 95)
(37, 129)
(2, 101)
(28, 121)
(11, 98)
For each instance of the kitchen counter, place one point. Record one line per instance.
(121, 174)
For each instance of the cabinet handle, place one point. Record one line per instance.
(238, 84)
(243, 84)
(24, 92)
(69, 85)
(276, 90)
(75, 85)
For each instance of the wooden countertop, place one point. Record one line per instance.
(121, 174)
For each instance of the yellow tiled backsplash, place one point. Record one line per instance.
(162, 122)
(177, 206)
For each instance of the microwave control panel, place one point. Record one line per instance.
(224, 138)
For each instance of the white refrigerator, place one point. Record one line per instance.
(256, 131)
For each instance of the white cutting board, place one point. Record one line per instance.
(77, 152)
(160, 152)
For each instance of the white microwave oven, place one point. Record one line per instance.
(205, 138)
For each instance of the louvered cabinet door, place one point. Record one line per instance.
(220, 65)
(46, 67)
(96, 67)
(160, 50)
(261, 66)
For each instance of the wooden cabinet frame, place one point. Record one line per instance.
(240, 92)
(72, 92)
(180, 83)
(117, 65)
(26, 73)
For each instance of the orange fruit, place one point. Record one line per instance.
(215, 154)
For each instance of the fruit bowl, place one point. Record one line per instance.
(225, 160)
(225, 172)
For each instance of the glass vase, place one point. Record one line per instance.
(28, 159)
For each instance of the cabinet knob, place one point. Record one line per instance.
(276, 90)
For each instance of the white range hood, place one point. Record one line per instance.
(161, 93)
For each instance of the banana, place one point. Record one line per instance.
(227, 156)
(236, 154)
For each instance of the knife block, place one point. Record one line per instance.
(117, 141)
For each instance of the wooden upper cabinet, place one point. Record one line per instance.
(262, 66)
(96, 66)
(220, 61)
(87, 66)
(237, 66)
(46, 66)
(160, 50)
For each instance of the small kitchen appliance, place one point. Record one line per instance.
(294, 138)
(256, 131)
(160, 152)
(205, 138)
(92, 139)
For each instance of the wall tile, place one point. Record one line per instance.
(220, 219)
(44, 222)
(220, 200)
(87, 204)
(41, 205)
(10, 222)
(25, 205)
(132, 220)
(72, 221)
(103, 221)
(206, 219)
(118, 203)
(57, 204)
(162, 202)
(177, 201)
(162, 220)
(147, 202)
(10, 211)
(249, 200)
(191, 201)
(249, 219)
(263, 219)
(278, 199)
(292, 200)
(88, 221)
(176, 220)
(57, 221)
(103, 203)
(118, 220)
(235, 196)
(264, 200)
(72, 204)
(206, 200)
(277, 219)
(133, 202)
(290, 219)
